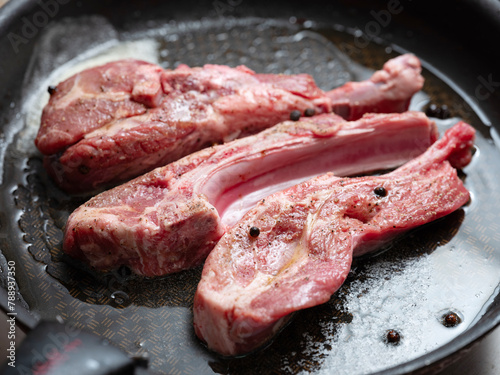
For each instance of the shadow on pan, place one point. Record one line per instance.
(153, 317)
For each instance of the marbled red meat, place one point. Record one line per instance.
(91, 99)
(114, 122)
(388, 90)
(170, 218)
(308, 236)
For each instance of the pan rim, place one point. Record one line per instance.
(14, 10)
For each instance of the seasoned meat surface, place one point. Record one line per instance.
(307, 236)
(93, 98)
(170, 218)
(114, 122)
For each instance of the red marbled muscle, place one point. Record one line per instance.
(111, 123)
(93, 98)
(170, 218)
(308, 236)
(388, 90)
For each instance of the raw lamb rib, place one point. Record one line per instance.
(170, 218)
(303, 239)
(114, 122)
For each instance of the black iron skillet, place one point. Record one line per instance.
(454, 39)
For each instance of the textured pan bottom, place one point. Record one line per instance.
(450, 265)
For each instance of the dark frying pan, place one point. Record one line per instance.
(450, 265)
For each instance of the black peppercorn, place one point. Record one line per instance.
(432, 110)
(451, 319)
(393, 337)
(445, 112)
(83, 169)
(295, 115)
(254, 232)
(52, 90)
(309, 112)
(380, 191)
(441, 112)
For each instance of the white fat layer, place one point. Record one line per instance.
(339, 154)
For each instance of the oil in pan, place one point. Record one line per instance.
(392, 308)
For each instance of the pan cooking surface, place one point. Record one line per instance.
(448, 266)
